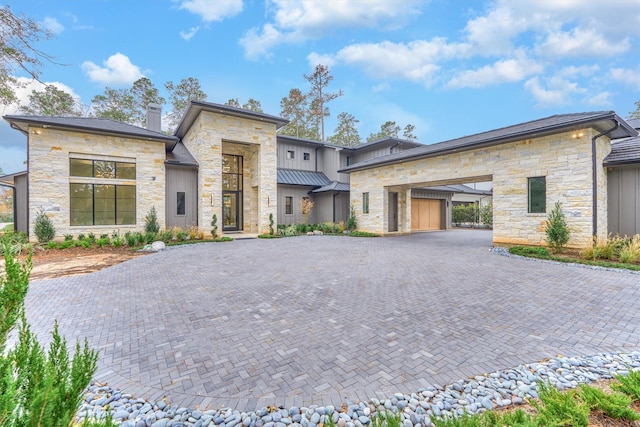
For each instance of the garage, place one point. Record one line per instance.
(426, 214)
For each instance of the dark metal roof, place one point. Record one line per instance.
(298, 177)
(459, 189)
(381, 141)
(600, 120)
(333, 186)
(624, 152)
(196, 107)
(634, 123)
(90, 124)
(180, 156)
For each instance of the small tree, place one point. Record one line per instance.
(351, 219)
(306, 205)
(151, 225)
(271, 224)
(556, 228)
(486, 214)
(214, 227)
(44, 229)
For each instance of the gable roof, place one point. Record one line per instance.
(298, 177)
(624, 152)
(89, 124)
(333, 186)
(180, 156)
(600, 120)
(196, 107)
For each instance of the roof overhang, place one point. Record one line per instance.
(8, 180)
(196, 107)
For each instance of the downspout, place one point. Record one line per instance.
(594, 165)
(334, 205)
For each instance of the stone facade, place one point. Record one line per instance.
(49, 151)
(212, 135)
(564, 159)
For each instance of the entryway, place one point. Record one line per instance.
(231, 192)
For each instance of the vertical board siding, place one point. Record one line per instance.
(297, 192)
(183, 179)
(623, 200)
(298, 162)
(21, 203)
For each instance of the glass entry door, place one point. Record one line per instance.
(231, 192)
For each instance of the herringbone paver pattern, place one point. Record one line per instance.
(323, 319)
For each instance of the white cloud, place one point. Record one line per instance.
(492, 34)
(556, 92)
(213, 10)
(629, 77)
(117, 70)
(314, 59)
(581, 42)
(23, 88)
(502, 71)
(53, 25)
(578, 71)
(599, 99)
(382, 87)
(295, 21)
(192, 32)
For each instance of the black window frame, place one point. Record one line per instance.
(291, 155)
(533, 194)
(306, 156)
(116, 212)
(365, 202)
(181, 203)
(288, 205)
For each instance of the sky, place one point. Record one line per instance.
(449, 67)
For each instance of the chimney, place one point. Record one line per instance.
(154, 117)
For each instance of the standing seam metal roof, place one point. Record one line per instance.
(298, 177)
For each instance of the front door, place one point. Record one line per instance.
(393, 211)
(231, 192)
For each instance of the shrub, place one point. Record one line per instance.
(630, 252)
(556, 228)
(103, 241)
(214, 226)
(486, 215)
(14, 241)
(306, 205)
(357, 233)
(529, 251)
(166, 236)
(351, 219)
(608, 248)
(68, 237)
(151, 221)
(181, 235)
(52, 245)
(44, 229)
(149, 237)
(615, 405)
(628, 384)
(464, 213)
(39, 388)
(271, 224)
(116, 239)
(81, 237)
(130, 238)
(555, 407)
(92, 237)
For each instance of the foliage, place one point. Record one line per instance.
(18, 53)
(346, 133)
(103, 241)
(271, 224)
(608, 248)
(116, 239)
(407, 132)
(636, 113)
(351, 219)
(251, 105)
(214, 227)
(631, 251)
(295, 108)
(151, 222)
(517, 418)
(44, 229)
(39, 388)
(306, 205)
(390, 129)
(465, 213)
(386, 419)
(106, 422)
(615, 405)
(529, 251)
(14, 241)
(51, 102)
(357, 233)
(628, 384)
(560, 409)
(144, 92)
(486, 214)
(556, 227)
(114, 104)
(180, 95)
(319, 81)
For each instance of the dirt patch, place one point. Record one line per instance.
(51, 263)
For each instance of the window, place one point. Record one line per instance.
(306, 156)
(349, 161)
(288, 205)
(537, 194)
(365, 203)
(291, 154)
(104, 202)
(180, 203)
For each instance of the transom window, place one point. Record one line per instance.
(102, 169)
(537, 194)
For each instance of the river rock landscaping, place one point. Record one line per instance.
(484, 392)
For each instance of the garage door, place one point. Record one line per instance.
(426, 214)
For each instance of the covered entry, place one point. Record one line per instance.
(426, 214)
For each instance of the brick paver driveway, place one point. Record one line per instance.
(323, 319)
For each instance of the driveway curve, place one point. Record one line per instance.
(320, 319)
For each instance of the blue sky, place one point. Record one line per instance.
(449, 67)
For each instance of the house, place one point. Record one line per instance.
(95, 176)
(563, 158)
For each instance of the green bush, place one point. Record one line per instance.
(214, 225)
(465, 213)
(357, 233)
(529, 251)
(103, 241)
(271, 224)
(628, 384)
(615, 405)
(486, 215)
(15, 241)
(351, 219)
(557, 229)
(39, 388)
(151, 222)
(44, 229)
(130, 238)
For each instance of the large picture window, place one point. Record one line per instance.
(537, 194)
(104, 200)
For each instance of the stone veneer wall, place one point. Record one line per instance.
(564, 160)
(49, 151)
(205, 142)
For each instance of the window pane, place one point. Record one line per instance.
(126, 204)
(180, 203)
(79, 167)
(230, 182)
(81, 204)
(104, 169)
(365, 203)
(288, 205)
(125, 170)
(104, 204)
(537, 194)
(230, 164)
